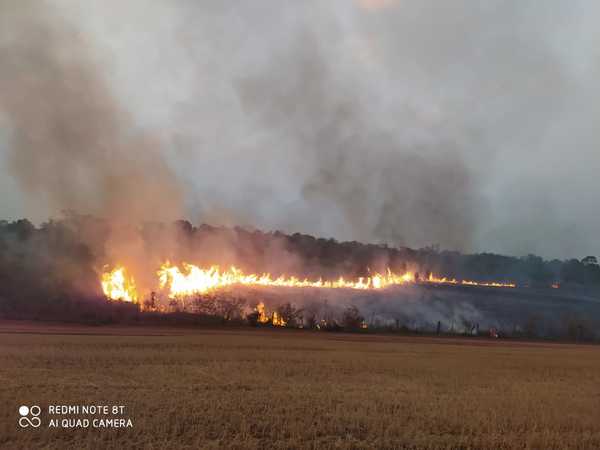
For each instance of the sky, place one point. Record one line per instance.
(470, 125)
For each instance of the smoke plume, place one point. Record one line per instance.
(72, 146)
(472, 126)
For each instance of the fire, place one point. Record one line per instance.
(277, 320)
(263, 316)
(194, 280)
(116, 285)
(433, 279)
(189, 280)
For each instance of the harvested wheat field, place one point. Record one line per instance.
(253, 389)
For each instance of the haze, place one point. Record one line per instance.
(472, 125)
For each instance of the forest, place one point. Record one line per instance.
(52, 270)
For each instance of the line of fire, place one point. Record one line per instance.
(182, 288)
(97, 271)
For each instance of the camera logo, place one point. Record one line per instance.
(29, 416)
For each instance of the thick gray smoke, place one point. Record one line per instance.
(363, 180)
(467, 124)
(71, 146)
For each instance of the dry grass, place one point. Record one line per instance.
(279, 389)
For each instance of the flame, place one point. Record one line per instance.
(277, 320)
(435, 280)
(263, 317)
(116, 285)
(190, 280)
(194, 280)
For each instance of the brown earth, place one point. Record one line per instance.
(246, 388)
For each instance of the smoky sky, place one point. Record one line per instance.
(70, 144)
(472, 125)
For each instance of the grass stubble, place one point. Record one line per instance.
(254, 389)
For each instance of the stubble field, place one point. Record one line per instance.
(253, 389)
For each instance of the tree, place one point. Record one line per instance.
(311, 314)
(573, 272)
(537, 270)
(230, 308)
(252, 318)
(589, 260)
(290, 315)
(352, 319)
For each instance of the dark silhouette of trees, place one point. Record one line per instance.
(584, 272)
(352, 319)
(589, 261)
(51, 270)
(291, 315)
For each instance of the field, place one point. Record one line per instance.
(253, 389)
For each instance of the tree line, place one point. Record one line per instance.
(52, 269)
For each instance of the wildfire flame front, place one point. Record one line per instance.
(192, 280)
(116, 285)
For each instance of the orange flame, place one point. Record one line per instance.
(433, 279)
(263, 316)
(192, 280)
(116, 285)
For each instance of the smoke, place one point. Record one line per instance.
(72, 146)
(409, 306)
(378, 185)
(411, 122)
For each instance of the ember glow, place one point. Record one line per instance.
(189, 280)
